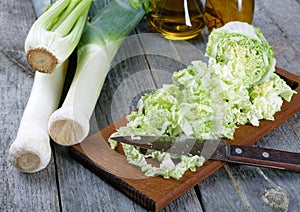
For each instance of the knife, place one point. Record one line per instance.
(217, 150)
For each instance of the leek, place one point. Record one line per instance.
(99, 43)
(31, 152)
(55, 34)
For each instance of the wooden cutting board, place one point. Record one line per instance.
(154, 193)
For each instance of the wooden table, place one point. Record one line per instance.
(65, 185)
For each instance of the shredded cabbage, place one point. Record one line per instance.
(205, 101)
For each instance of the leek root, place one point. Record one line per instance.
(55, 34)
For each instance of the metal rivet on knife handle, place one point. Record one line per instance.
(265, 154)
(238, 150)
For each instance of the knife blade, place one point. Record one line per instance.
(217, 149)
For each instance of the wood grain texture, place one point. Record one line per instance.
(155, 193)
(265, 157)
(80, 189)
(133, 79)
(66, 186)
(276, 19)
(19, 191)
(278, 22)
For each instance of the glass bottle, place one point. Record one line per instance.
(219, 12)
(177, 19)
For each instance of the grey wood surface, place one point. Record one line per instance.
(67, 186)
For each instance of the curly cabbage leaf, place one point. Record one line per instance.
(244, 49)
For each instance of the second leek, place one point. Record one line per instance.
(98, 45)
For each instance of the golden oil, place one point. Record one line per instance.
(177, 19)
(219, 12)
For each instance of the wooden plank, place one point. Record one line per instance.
(80, 189)
(278, 21)
(165, 58)
(96, 192)
(155, 193)
(289, 54)
(30, 192)
(160, 68)
(17, 188)
(286, 136)
(127, 81)
(243, 187)
(218, 193)
(15, 88)
(235, 199)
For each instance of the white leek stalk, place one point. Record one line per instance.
(31, 151)
(55, 34)
(100, 41)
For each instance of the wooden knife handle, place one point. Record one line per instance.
(264, 157)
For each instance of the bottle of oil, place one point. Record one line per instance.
(177, 19)
(218, 13)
